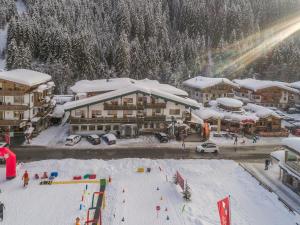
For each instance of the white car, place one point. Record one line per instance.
(73, 140)
(207, 147)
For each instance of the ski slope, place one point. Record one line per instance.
(210, 181)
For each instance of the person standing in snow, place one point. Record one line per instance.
(25, 178)
(235, 140)
(2, 207)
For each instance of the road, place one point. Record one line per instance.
(253, 153)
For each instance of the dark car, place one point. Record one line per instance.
(162, 137)
(94, 139)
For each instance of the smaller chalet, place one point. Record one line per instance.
(129, 111)
(290, 165)
(205, 89)
(248, 120)
(266, 93)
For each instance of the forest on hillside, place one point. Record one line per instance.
(168, 40)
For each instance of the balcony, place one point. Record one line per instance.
(108, 106)
(10, 122)
(74, 120)
(13, 107)
(11, 93)
(156, 105)
(294, 165)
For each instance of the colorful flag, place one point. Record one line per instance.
(224, 211)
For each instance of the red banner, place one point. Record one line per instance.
(180, 180)
(224, 211)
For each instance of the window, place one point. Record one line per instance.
(75, 128)
(78, 113)
(174, 112)
(92, 127)
(114, 102)
(151, 125)
(158, 110)
(112, 112)
(116, 127)
(127, 101)
(1, 85)
(18, 115)
(1, 100)
(146, 125)
(127, 112)
(18, 99)
(99, 127)
(107, 127)
(84, 128)
(96, 113)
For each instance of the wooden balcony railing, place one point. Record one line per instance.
(10, 122)
(156, 105)
(14, 107)
(11, 93)
(108, 106)
(74, 120)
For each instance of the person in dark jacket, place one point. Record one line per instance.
(2, 207)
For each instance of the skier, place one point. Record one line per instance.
(267, 163)
(25, 178)
(2, 207)
(254, 139)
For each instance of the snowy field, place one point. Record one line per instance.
(210, 181)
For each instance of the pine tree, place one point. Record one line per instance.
(12, 51)
(122, 56)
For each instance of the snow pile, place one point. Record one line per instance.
(129, 90)
(295, 85)
(58, 111)
(230, 102)
(26, 77)
(293, 143)
(59, 204)
(206, 82)
(260, 111)
(255, 85)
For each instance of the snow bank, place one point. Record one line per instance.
(59, 204)
(26, 77)
(279, 155)
(206, 82)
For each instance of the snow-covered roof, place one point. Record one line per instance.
(230, 102)
(128, 90)
(292, 142)
(255, 85)
(295, 85)
(105, 85)
(261, 111)
(25, 77)
(279, 155)
(206, 82)
(196, 119)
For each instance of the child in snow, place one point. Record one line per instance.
(25, 178)
(2, 207)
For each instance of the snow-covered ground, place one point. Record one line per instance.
(3, 39)
(21, 7)
(210, 181)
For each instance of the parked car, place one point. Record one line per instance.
(94, 139)
(207, 147)
(73, 140)
(293, 111)
(110, 138)
(162, 137)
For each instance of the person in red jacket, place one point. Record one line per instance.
(25, 178)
